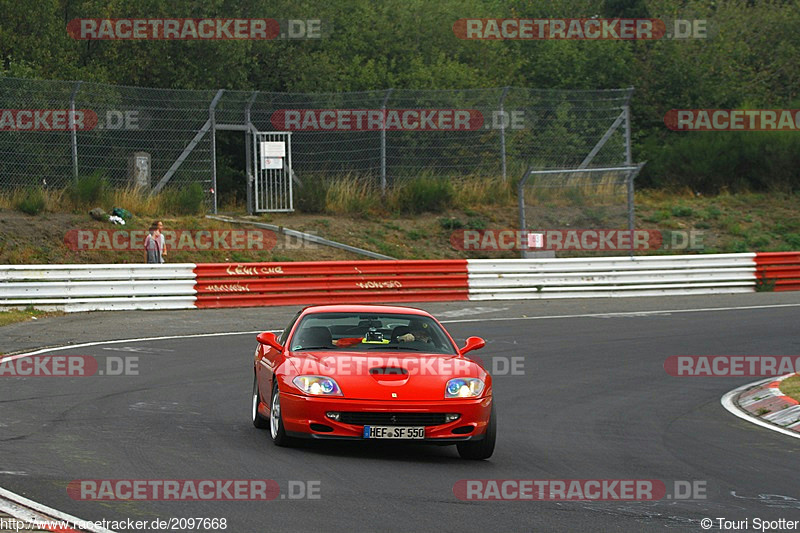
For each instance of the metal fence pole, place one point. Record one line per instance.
(383, 141)
(521, 199)
(503, 132)
(630, 209)
(629, 161)
(212, 121)
(73, 131)
(627, 107)
(248, 156)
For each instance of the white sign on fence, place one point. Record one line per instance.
(273, 149)
(271, 162)
(535, 240)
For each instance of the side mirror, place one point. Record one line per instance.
(473, 343)
(269, 339)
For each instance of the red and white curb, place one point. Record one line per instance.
(38, 517)
(778, 412)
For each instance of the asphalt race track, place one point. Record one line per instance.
(594, 402)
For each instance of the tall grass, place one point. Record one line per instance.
(184, 201)
(345, 195)
(89, 191)
(576, 189)
(422, 195)
(311, 196)
(354, 195)
(32, 203)
(351, 195)
(135, 200)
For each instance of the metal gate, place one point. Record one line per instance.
(272, 171)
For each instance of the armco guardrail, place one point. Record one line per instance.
(779, 271)
(508, 279)
(184, 286)
(98, 287)
(256, 284)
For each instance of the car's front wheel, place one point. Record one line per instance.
(276, 430)
(484, 448)
(258, 421)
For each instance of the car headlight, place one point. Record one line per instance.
(317, 385)
(463, 388)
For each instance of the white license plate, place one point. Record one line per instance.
(394, 432)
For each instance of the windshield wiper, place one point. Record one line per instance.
(314, 348)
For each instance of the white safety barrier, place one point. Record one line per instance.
(511, 279)
(98, 287)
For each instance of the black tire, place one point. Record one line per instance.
(276, 430)
(484, 448)
(258, 421)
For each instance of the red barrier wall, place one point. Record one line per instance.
(781, 267)
(328, 282)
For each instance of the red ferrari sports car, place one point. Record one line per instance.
(372, 372)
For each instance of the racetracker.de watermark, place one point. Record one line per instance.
(731, 365)
(733, 119)
(39, 120)
(68, 366)
(583, 29)
(577, 490)
(593, 240)
(398, 368)
(192, 490)
(47, 120)
(395, 120)
(180, 240)
(196, 29)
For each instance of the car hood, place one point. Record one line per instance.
(388, 375)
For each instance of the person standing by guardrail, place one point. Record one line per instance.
(162, 239)
(153, 245)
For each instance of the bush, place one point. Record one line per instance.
(793, 239)
(89, 190)
(186, 201)
(420, 195)
(32, 203)
(711, 213)
(732, 161)
(682, 211)
(450, 223)
(476, 223)
(311, 196)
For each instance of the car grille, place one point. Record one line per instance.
(393, 419)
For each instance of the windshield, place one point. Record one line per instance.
(360, 332)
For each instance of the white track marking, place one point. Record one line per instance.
(141, 339)
(17, 504)
(728, 403)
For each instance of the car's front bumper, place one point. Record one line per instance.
(305, 416)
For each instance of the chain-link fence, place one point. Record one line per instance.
(579, 212)
(506, 131)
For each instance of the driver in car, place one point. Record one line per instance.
(418, 332)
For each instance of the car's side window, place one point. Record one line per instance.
(286, 331)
